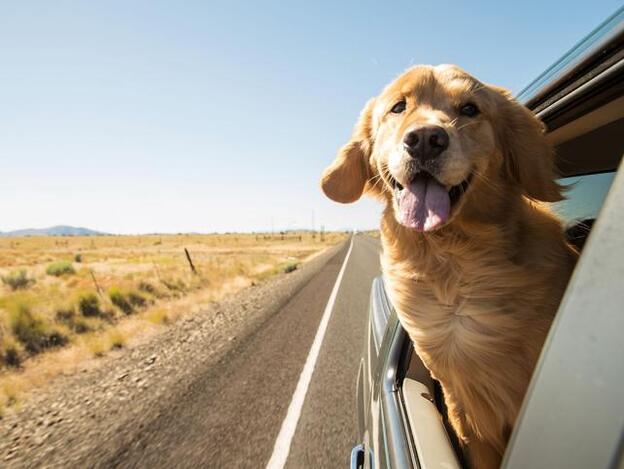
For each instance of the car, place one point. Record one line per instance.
(573, 413)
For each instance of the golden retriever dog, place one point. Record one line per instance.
(474, 261)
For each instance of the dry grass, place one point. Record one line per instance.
(83, 296)
(99, 344)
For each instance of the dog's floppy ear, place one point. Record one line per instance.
(529, 160)
(345, 179)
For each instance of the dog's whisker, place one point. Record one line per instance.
(466, 125)
(378, 181)
(481, 177)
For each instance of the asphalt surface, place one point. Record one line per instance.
(230, 416)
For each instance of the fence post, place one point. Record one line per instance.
(97, 285)
(188, 256)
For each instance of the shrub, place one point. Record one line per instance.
(11, 353)
(80, 326)
(158, 316)
(290, 267)
(56, 339)
(17, 279)
(284, 267)
(27, 329)
(146, 287)
(68, 317)
(119, 300)
(97, 346)
(137, 300)
(174, 285)
(65, 314)
(100, 344)
(32, 332)
(89, 305)
(12, 357)
(59, 268)
(78, 258)
(117, 339)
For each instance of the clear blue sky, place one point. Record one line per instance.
(143, 116)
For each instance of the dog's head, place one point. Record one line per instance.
(436, 143)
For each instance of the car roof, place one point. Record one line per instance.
(593, 50)
(580, 98)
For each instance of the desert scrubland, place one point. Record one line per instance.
(67, 300)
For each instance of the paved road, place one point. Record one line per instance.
(231, 416)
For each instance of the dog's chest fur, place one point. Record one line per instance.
(477, 318)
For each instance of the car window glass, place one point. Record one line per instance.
(585, 195)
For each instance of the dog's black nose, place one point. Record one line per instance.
(426, 142)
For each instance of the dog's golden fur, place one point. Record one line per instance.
(476, 296)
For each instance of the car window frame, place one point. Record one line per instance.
(393, 423)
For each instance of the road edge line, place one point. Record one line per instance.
(281, 449)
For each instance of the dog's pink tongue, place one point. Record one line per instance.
(424, 205)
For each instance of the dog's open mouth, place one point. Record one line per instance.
(425, 204)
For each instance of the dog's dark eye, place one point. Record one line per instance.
(469, 110)
(399, 107)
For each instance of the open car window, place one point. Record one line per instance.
(584, 197)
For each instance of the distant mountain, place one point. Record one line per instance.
(59, 230)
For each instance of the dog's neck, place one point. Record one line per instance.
(446, 259)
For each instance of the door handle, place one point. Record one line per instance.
(357, 457)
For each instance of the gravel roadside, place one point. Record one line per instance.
(69, 422)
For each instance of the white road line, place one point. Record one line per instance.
(289, 425)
